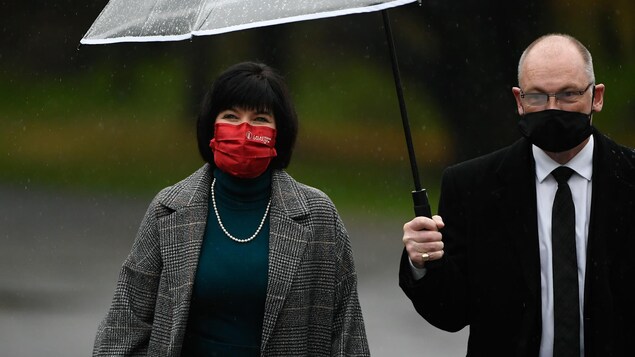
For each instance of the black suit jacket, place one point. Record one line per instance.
(489, 277)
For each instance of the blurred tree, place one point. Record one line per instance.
(465, 54)
(462, 53)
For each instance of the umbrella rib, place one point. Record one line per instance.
(199, 23)
(298, 18)
(143, 28)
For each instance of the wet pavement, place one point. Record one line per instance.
(61, 253)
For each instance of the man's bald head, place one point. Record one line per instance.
(554, 45)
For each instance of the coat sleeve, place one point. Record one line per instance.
(441, 296)
(125, 331)
(349, 334)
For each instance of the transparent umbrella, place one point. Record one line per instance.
(174, 20)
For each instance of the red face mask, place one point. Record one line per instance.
(243, 150)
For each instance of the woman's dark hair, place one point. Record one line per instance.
(251, 86)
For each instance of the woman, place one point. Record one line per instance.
(239, 259)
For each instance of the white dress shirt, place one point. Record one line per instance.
(546, 186)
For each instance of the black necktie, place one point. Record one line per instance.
(565, 269)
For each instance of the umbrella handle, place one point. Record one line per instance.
(421, 204)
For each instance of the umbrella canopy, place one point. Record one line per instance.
(174, 20)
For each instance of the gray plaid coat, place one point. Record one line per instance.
(311, 306)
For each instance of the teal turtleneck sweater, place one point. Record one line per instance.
(228, 298)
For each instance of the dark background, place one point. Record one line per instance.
(89, 135)
(80, 118)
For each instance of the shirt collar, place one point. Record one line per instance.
(582, 163)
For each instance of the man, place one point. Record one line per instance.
(490, 262)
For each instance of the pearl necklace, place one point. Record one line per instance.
(262, 222)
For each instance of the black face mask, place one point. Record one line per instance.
(555, 130)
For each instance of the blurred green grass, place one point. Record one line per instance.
(130, 131)
(94, 131)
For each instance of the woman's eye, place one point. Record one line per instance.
(229, 116)
(263, 119)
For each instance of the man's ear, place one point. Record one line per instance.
(598, 98)
(519, 104)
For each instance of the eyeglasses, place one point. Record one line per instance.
(541, 99)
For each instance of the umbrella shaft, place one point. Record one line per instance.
(402, 103)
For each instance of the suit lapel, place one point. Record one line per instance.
(287, 241)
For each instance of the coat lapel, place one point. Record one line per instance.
(516, 198)
(181, 235)
(287, 241)
(611, 205)
(517, 202)
(611, 221)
